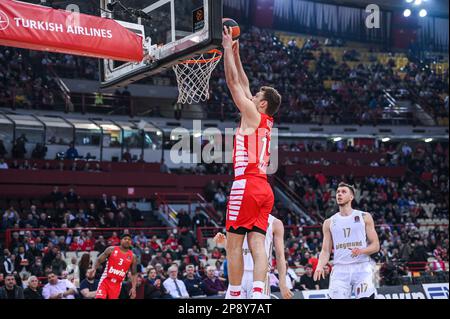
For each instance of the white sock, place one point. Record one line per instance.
(234, 292)
(258, 290)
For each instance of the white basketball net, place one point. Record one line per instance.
(193, 77)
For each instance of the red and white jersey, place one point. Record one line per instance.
(251, 153)
(117, 265)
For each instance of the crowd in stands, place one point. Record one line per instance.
(356, 94)
(397, 205)
(24, 82)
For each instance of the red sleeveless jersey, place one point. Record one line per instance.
(117, 265)
(251, 153)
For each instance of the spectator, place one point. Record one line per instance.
(19, 150)
(114, 204)
(153, 288)
(158, 259)
(33, 291)
(220, 200)
(306, 281)
(140, 239)
(173, 285)
(56, 195)
(7, 265)
(100, 245)
(213, 285)
(24, 260)
(324, 283)
(136, 214)
(39, 151)
(10, 218)
(184, 221)
(3, 164)
(72, 152)
(58, 288)
(199, 219)
(3, 151)
(73, 269)
(172, 241)
(114, 240)
(104, 204)
(58, 264)
(154, 244)
(84, 265)
(194, 284)
(126, 156)
(72, 197)
(140, 287)
(37, 269)
(187, 239)
(419, 256)
(89, 285)
(11, 290)
(192, 257)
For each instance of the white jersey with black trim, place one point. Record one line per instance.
(348, 233)
(248, 259)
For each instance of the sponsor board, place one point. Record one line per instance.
(436, 291)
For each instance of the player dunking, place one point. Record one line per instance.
(120, 260)
(251, 199)
(274, 239)
(351, 233)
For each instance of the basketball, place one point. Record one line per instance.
(235, 29)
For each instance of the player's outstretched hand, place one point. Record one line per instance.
(227, 41)
(356, 252)
(219, 239)
(318, 274)
(286, 293)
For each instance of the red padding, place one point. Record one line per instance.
(41, 28)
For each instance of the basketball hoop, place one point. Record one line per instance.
(193, 77)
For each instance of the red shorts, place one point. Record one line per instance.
(250, 202)
(108, 289)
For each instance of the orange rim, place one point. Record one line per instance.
(214, 51)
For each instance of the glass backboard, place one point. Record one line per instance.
(173, 30)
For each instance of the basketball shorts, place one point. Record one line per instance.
(356, 279)
(250, 202)
(109, 288)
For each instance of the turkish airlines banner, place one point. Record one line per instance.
(40, 28)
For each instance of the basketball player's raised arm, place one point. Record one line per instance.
(278, 242)
(372, 238)
(243, 79)
(243, 103)
(102, 258)
(325, 254)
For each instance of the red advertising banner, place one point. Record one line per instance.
(41, 28)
